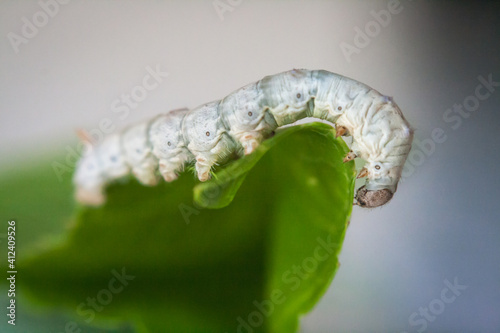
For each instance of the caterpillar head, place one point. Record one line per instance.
(381, 184)
(384, 142)
(372, 198)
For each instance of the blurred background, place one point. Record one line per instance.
(440, 61)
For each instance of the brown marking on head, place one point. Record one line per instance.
(371, 199)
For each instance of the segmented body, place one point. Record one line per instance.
(211, 133)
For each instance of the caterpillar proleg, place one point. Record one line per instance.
(213, 132)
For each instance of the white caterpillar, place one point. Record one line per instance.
(213, 132)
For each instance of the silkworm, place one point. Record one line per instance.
(214, 132)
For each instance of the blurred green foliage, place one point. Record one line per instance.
(164, 260)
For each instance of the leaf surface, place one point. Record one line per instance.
(250, 250)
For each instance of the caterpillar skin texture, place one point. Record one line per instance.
(213, 132)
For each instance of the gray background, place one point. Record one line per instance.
(443, 222)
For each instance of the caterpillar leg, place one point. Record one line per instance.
(90, 196)
(166, 171)
(146, 176)
(203, 168)
(363, 173)
(250, 142)
(205, 160)
(350, 156)
(170, 167)
(207, 138)
(168, 143)
(170, 176)
(341, 131)
(138, 154)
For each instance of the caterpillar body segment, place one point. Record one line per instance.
(110, 157)
(139, 153)
(169, 146)
(207, 138)
(246, 116)
(289, 96)
(214, 132)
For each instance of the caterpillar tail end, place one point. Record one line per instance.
(85, 138)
